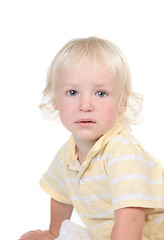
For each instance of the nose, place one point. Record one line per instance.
(86, 104)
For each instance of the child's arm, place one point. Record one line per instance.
(59, 213)
(129, 223)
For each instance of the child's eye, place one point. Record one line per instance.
(101, 94)
(72, 93)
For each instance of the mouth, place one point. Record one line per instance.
(86, 122)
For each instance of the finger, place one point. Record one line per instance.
(29, 233)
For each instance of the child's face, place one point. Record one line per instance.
(88, 101)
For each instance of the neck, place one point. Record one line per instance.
(83, 149)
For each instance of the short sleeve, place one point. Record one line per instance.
(52, 182)
(136, 179)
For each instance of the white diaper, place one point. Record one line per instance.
(71, 231)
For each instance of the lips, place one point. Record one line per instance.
(86, 122)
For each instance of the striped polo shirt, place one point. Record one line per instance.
(117, 173)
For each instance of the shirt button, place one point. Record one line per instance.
(82, 180)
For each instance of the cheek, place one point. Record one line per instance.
(110, 108)
(109, 112)
(65, 112)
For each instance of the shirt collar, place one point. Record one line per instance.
(71, 153)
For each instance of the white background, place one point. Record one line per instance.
(32, 31)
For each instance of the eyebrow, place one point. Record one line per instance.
(77, 84)
(69, 85)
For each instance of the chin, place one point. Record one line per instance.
(90, 138)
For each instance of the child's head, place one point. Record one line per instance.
(96, 51)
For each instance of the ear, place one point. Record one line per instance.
(55, 106)
(123, 105)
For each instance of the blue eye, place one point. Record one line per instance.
(101, 94)
(72, 93)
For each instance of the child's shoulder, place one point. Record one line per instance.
(61, 152)
(125, 145)
(123, 140)
(65, 151)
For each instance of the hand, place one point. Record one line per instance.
(37, 235)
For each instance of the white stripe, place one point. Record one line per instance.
(136, 196)
(99, 225)
(90, 178)
(119, 139)
(77, 164)
(62, 161)
(57, 180)
(71, 180)
(57, 163)
(101, 196)
(64, 145)
(159, 219)
(130, 157)
(75, 198)
(101, 158)
(107, 213)
(91, 197)
(132, 139)
(136, 176)
(96, 178)
(48, 184)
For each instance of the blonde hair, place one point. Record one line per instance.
(96, 49)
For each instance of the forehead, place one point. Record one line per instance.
(87, 72)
